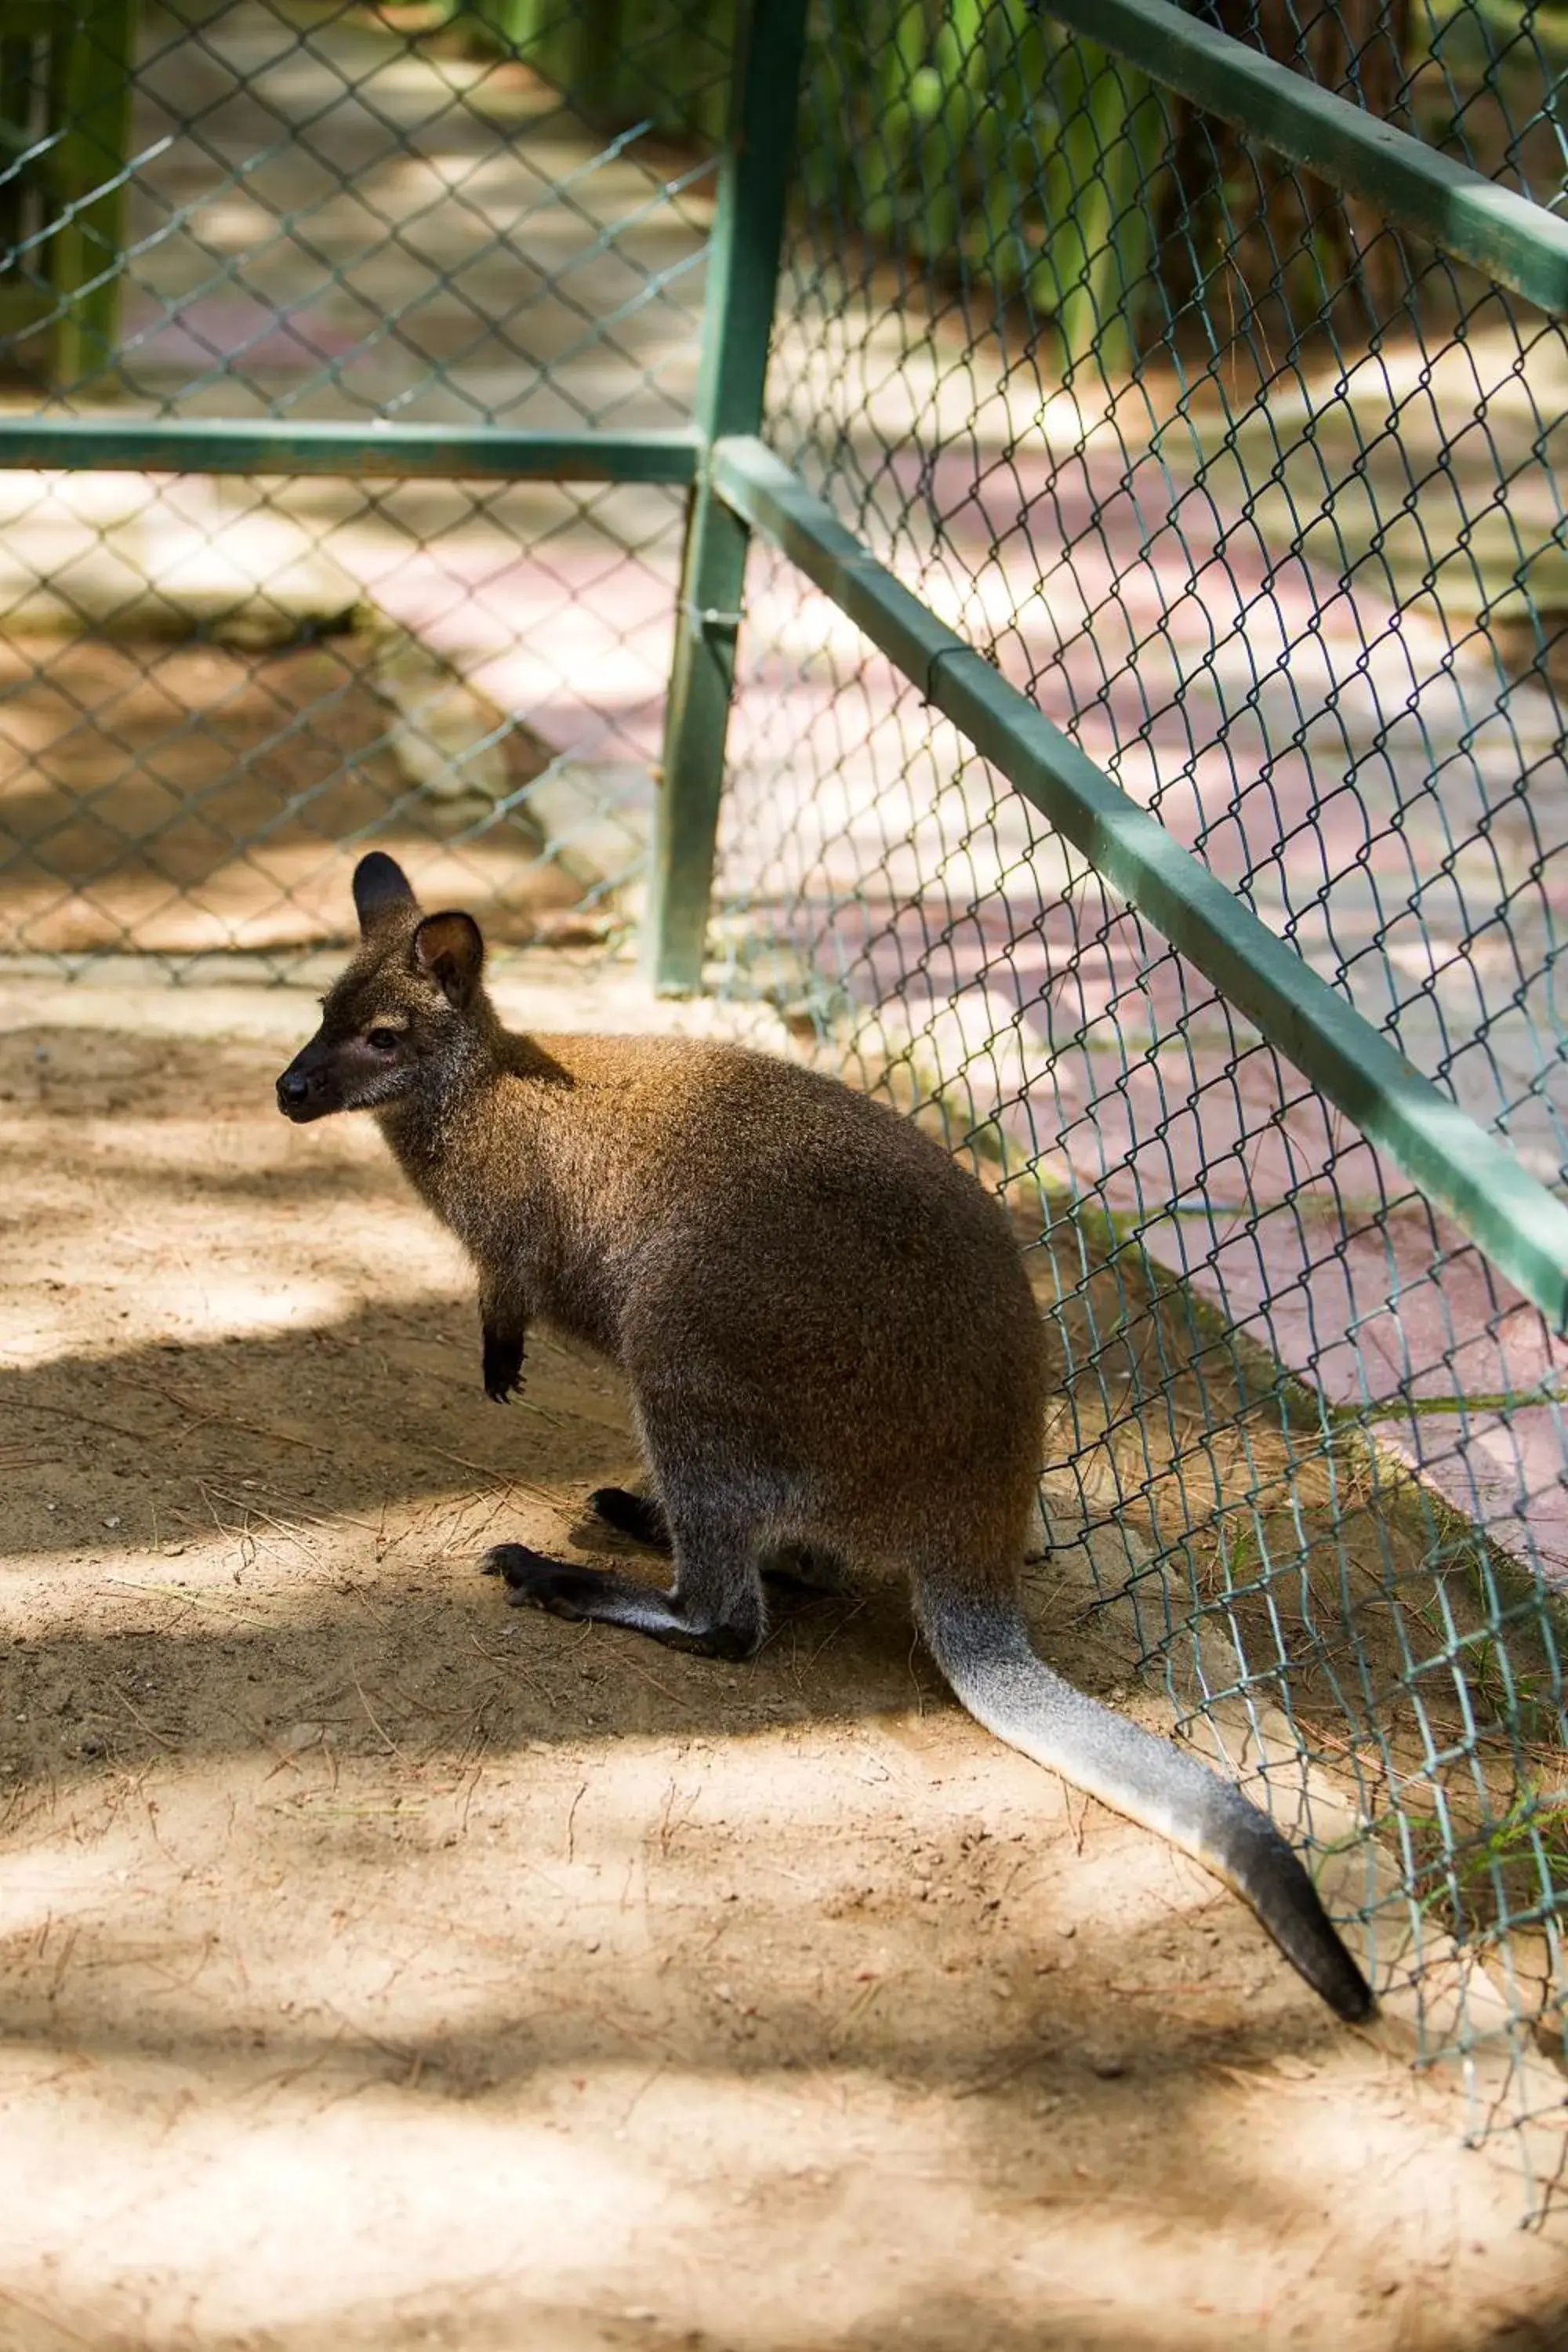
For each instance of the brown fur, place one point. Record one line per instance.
(789, 1275)
(831, 1349)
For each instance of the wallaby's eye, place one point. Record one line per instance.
(385, 1041)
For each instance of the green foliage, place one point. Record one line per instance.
(981, 142)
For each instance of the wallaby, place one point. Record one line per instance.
(833, 1353)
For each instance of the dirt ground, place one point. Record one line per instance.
(182, 797)
(384, 1966)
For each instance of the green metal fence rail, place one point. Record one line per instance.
(1514, 242)
(1082, 634)
(747, 231)
(220, 445)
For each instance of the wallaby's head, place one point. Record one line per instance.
(407, 1015)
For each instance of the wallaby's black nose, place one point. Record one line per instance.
(292, 1088)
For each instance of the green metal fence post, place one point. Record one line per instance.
(737, 324)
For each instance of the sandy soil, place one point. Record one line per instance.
(381, 1967)
(186, 797)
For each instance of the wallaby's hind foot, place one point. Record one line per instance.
(639, 1516)
(600, 1595)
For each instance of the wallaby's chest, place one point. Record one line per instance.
(529, 1239)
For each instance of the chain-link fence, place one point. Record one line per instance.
(378, 463)
(1258, 500)
(314, 213)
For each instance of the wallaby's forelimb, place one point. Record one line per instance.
(503, 1330)
(502, 1365)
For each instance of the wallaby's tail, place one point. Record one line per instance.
(982, 1648)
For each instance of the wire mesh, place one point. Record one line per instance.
(316, 209)
(1259, 501)
(1257, 498)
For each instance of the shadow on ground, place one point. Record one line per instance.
(379, 1965)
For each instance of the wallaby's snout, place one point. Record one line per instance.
(306, 1089)
(371, 1067)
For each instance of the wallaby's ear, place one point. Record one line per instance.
(380, 883)
(448, 946)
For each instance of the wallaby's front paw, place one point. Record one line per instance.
(502, 1368)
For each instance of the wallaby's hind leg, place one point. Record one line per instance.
(639, 1516)
(715, 1606)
